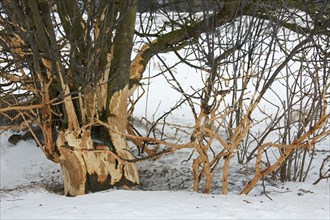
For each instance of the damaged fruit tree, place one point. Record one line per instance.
(68, 76)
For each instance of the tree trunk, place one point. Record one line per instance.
(88, 166)
(95, 170)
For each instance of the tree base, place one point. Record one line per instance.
(95, 170)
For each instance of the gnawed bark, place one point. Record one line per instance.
(94, 170)
(298, 143)
(88, 167)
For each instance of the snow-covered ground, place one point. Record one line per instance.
(119, 204)
(31, 188)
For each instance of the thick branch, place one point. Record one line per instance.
(166, 42)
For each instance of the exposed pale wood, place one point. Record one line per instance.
(195, 166)
(88, 169)
(74, 172)
(21, 107)
(298, 143)
(225, 174)
(139, 143)
(102, 88)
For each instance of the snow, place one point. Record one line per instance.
(120, 204)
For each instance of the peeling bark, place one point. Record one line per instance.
(89, 168)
